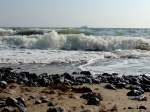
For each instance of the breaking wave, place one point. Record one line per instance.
(54, 40)
(4, 32)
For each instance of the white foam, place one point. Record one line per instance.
(95, 62)
(53, 40)
(6, 31)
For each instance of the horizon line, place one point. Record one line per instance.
(73, 27)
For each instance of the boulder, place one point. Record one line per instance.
(134, 93)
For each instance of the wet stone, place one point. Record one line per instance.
(38, 101)
(3, 84)
(45, 100)
(110, 86)
(134, 93)
(86, 73)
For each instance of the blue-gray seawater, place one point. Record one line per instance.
(121, 50)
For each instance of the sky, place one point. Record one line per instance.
(75, 13)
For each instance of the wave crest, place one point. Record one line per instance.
(4, 32)
(54, 40)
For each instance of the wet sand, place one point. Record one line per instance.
(40, 68)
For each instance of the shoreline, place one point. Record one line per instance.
(76, 92)
(40, 68)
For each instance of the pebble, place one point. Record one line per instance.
(142, 107)
(38, 101)
(110, 86)
(55, 109)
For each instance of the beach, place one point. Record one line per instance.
(74, 56)
(79, 92)
(74, 70)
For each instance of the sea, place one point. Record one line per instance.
(113, 50)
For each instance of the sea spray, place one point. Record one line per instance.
(53, 40)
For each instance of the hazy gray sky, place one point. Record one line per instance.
(59, 13)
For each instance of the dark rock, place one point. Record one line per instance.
(115, 74)
(44, 99)
(55, 109)
(50, 103)
(136, 87)
(145, 80)
(120, 85)
(31, 97)
(145, 87)
(84, 80)
(134, 93)
(106, 74)
(130, 108)
(11, 101)
(21, 100)
(144, 98)
(38, 101)
(86, 73)
(93, 101)
(92, 98)
(16, 102)
(110, 86)
(3, 84)
(138, 98)
(74, 73)
(43, 82)
(95, 81)
(142, 107)
(68, 76)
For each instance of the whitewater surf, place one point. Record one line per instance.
(95, 49)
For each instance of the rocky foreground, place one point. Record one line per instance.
(76, 92)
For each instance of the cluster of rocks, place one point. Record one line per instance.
(137, 84)
(11, 104)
